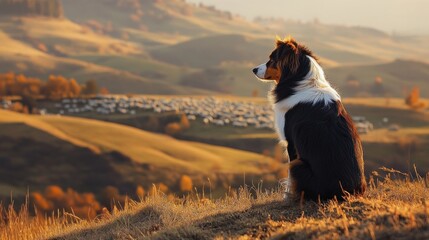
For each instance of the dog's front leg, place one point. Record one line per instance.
(286, 183)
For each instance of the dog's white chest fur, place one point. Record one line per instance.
(312, 89)
(279, 120)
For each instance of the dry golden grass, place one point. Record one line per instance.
(142, 146)
(70, 37)
(11, 46)
(390, 209)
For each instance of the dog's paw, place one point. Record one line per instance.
(286, 184)
(289, 199)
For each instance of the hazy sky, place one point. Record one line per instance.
(401, 16)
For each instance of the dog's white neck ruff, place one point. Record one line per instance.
(313, 88)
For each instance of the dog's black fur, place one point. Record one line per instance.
(325, 150)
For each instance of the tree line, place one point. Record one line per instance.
(47, 8)
(56, 87)
(88, 205)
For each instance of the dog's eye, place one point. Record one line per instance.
(271, 62)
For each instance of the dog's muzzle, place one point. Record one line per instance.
(259, 71)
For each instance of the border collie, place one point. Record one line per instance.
(325, 152)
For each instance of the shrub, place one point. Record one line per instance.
(83, 205)
(186, 183)
(184, 122)
(140, 192)
(54, 192)
(413, 99)
(173, 129)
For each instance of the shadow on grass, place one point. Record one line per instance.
(251, 222)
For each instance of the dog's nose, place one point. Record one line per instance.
(255, 70)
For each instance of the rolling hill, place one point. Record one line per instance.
(41, 46)
(398, 77)
(174, 18)
(148, 46)
(76, 147)
(212, 51)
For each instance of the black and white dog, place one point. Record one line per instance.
(325, 151)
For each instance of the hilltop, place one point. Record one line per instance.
(164, 47)
(46, 8)
(390, 209)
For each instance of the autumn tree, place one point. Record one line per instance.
(83, 205)
(19, 85)
(56, 87)
(140, 192)
(173, 129)
(104, 91)
(413, 98)
(186, 183)
(184, 122)
(90, 88)
(17, 107)
(160, 187)
(74, 88)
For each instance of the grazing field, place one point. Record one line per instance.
(390, 209)
(401, 147)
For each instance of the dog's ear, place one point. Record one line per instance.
(288, 56)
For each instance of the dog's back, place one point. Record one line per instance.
(328, 153)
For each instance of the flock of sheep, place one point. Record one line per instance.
(211, 110)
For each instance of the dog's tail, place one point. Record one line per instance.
(306, 183)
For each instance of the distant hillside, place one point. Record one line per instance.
(350, 45)
(396, 78)
(175, 17)
(40, 47)
(162, 47)
(46, 8)
(213, 50)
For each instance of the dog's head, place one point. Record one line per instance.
(284, 61)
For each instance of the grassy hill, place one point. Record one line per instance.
(212, 51)
(63, 37)
(390, 209)
(41, 46)
(76, 147)
(175, 17)
(351, 45)
(149, 46)
(398, 77)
